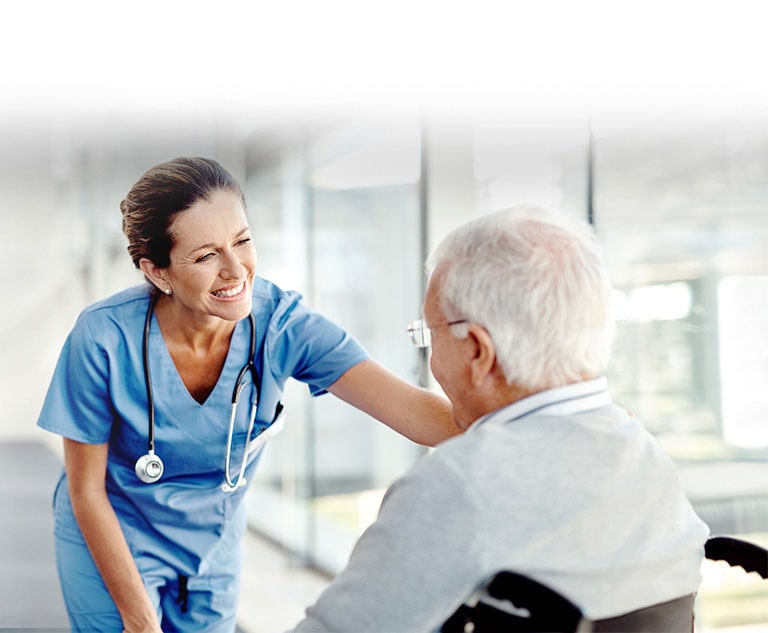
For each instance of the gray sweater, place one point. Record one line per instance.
(563, 486)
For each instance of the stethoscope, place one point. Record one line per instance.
(149, 468)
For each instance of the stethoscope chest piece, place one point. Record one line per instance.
(149, 468)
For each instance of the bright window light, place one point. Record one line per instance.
(661, 302)
(743, 345)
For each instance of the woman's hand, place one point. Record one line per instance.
(418, 414)
(152, 628)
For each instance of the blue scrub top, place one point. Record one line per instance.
(98, 395)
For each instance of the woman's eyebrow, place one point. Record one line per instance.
(210, 245)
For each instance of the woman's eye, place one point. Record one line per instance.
(208, 256)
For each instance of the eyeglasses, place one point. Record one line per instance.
(421, 333)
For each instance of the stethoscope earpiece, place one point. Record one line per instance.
(149, 468)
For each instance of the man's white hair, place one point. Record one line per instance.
(536, 280)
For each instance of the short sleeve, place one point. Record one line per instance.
(77, 404)
(309, 347)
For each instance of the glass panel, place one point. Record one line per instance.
(682, 209)
(340, 222)
(278, 213)
(365, 249)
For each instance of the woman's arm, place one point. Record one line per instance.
(416, 413)
(86, 466)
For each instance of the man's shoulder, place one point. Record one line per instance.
(455, 455)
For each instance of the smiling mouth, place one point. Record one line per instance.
(229, 293)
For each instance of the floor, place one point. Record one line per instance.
(276, 587)
(29, 591)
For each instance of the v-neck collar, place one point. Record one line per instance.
(160, 357)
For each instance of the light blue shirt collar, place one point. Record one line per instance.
(567, 400)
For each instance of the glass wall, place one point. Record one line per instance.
(339, 218)
(683, 213)
(682, 209)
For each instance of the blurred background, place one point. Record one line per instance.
(361, 135)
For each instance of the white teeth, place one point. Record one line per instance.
(229, 293)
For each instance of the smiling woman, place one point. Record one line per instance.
(212, 266)
(153, 544)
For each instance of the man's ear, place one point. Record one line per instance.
(154, 273)
(484, 358)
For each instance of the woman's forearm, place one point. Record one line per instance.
(419, 414)
(106, 542)
(86, 471)
(428, 406)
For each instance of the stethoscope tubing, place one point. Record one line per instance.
(147, 377)
(229, 484)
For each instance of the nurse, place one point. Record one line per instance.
(165, 555)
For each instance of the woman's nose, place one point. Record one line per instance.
(232, 267)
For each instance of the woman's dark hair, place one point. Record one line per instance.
(160, 194)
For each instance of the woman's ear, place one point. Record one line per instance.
(155, 274)
(484, 359)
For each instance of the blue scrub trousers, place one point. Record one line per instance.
(209, 603)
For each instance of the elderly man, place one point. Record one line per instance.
(550, 479)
